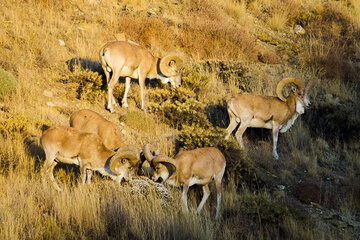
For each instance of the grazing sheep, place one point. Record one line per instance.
(129, 60)
(71, 146)
(194, 167)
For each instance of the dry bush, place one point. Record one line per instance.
(178, 107)
(210, 39)
(87, 85)
(149, 32)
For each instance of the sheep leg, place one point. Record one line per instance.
(142, 90)
(275, 133)
(184, 196)
(111, 98)
(51, 173)
(231, 127)
(240, 132)
(48, 169)
(83, 172)
(218, 180)
(127, 88)
(206, 194)
(89, 174)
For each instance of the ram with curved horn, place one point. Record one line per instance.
(71, 146)
(195, 167)
(129, 60)
(276, 113)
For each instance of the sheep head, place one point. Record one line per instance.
(122, 164)
(299, 92)
(170, 66)
(163, 166)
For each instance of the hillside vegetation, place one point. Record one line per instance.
(49, 68)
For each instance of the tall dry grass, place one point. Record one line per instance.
(222, 41)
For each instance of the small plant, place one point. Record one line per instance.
(8, 82)
(178, 107)
(196, 136)
(85, 84)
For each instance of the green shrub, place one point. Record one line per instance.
(178, 107)
(15, 124)
(8, 82)
(196, 136)
(84, 84)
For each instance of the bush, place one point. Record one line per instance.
(178, 107)
(8, 82)
(196, 136)
(85, 84)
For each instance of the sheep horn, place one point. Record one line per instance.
(164, 159)
(167, 61)
(280, 86)
(308, 86)
(129, 155)
(147, 152)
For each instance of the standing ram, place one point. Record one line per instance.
(276, 113)
(195, 167)
(129, 60)
(71, 146)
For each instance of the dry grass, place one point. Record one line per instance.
(223, 41)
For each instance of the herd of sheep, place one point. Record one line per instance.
(95, 144)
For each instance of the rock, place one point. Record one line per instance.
(51, 104)
(61, 42)
(299, 30)
(48, 93)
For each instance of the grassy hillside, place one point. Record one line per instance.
(49, 68)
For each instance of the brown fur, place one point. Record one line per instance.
(194, 167)
(130, 60)
(250, 110)
(92, 122)
(71, 146)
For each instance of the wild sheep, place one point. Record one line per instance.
(92, 122)
(71, 146)
(129, 60)
(276, 113)
(194, 167)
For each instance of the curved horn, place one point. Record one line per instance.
(280, 86)
(167, 62)
(308, 86)
(122, 156)
(164, 159)
(147, 152)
